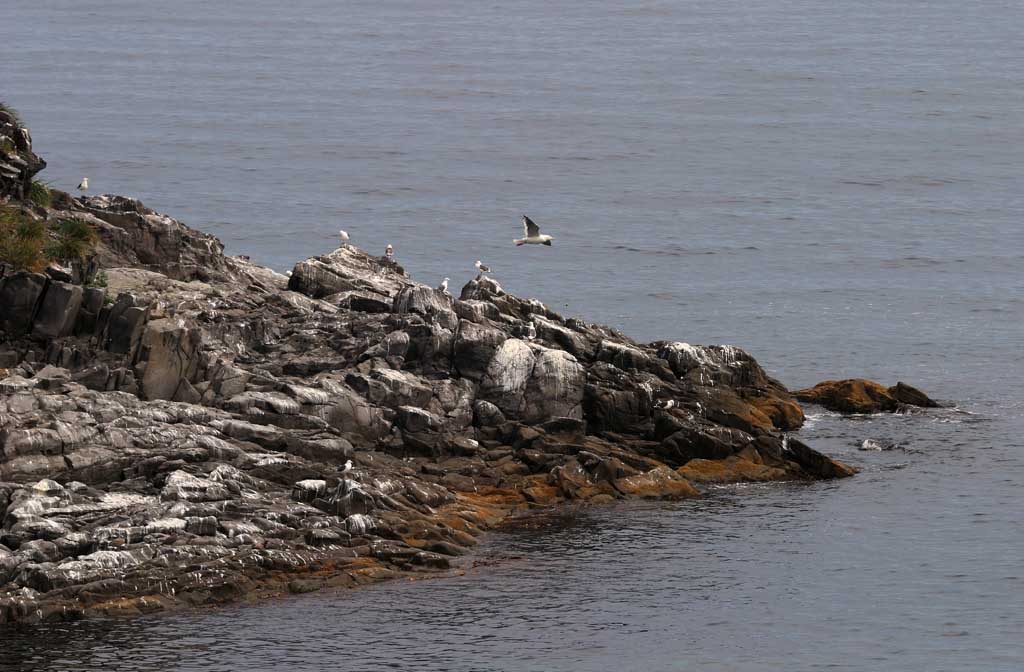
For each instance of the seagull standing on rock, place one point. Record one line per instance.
(344, 237)
(482, 268)
(389, 253)
(533, 234)
(531, 331)
(444, 286)
(83, 186)
(347, 468)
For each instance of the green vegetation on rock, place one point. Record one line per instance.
(29, 244)
(4, 107)
(39, 194)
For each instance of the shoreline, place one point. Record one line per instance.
(174, 435)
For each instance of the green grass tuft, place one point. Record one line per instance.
(4, 107)
(99, 280)
(75, 237)
(28, 244)
(39, 194)
(22, 240)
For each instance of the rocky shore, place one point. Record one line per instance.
(176, 437)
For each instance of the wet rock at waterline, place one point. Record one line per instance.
(857, 395)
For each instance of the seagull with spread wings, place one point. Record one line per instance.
(533, 234)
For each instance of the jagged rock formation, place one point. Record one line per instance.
(18, 163)
(176, 436)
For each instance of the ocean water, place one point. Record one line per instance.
(835, 187)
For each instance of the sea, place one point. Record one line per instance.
(835, 187)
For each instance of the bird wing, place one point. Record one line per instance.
(532, 229)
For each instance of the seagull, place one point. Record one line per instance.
(665, 405)
(347, 468)
(344, 236)
(531, 331)
(482, 268)
(444, 286)
(83, 186)
(389, 252)
(533, 234)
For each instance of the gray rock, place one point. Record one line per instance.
(507, 376)
(424, 301)
(124, 325)
(20, 296)
(486, 414)
(57, 311)
(555, 388)
(170, 351)
(474, 348)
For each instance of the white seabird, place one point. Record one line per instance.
(482, 267)
(533, 234)
(347, 468)
(443, 286)
(343, 234)
(389, 252)
(665, 404)
(83, 186)
(531, 331)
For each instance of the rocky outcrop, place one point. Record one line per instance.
(858, 395)
(133, 235)
(178, 436)
(18, 163)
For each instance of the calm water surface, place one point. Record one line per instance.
(834, 186)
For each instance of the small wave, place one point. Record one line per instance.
(929, 181)
(871, 444)
(879, 445)
(679, 251)
(811, 419)
(912, 261)
(863, 183)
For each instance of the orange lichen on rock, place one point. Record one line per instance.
(855, 395)
(659, 483)
(734, 469)
(783, 413)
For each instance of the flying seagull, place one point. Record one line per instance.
(83, 186)
(444, 286)
(344, 236)
(482, 268)
(389, 252)
(533, 234)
